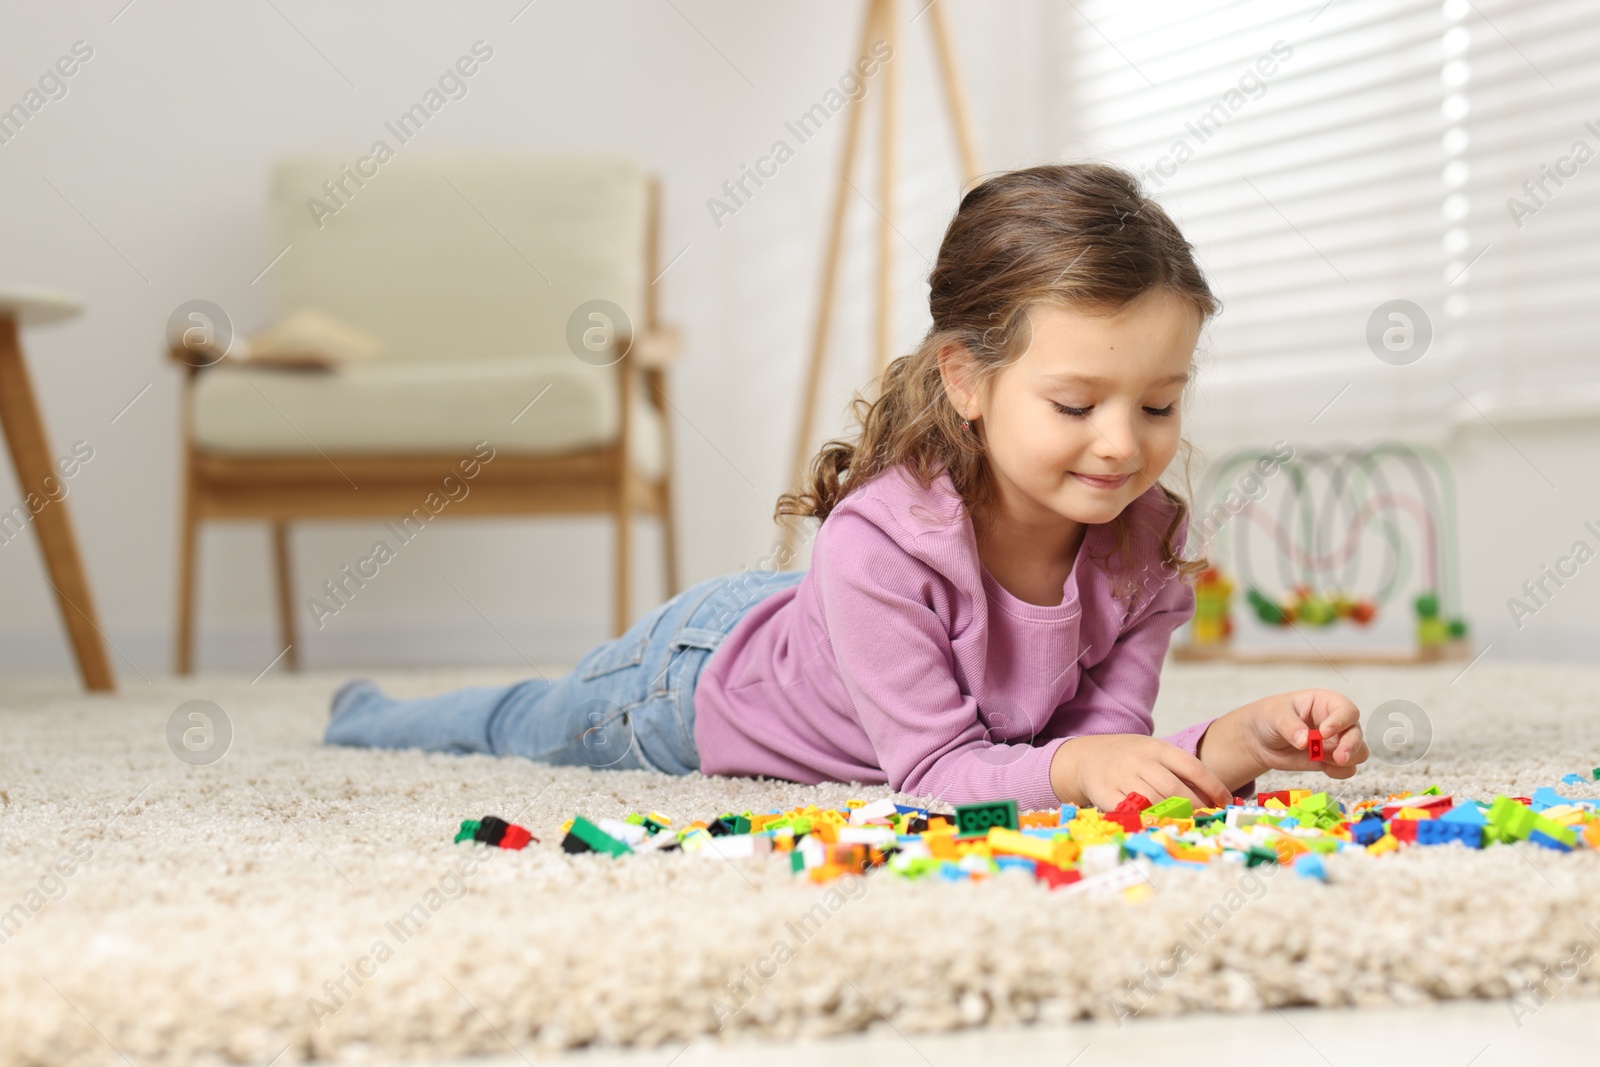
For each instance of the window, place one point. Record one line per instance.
(1328, 158)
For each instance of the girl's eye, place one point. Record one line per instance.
(1069, 411)
(1168, 410)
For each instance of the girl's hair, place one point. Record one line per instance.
(1077, 235)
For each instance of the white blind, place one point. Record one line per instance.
(1326, 158)
(1527, 89)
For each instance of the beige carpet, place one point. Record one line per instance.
(212, 912)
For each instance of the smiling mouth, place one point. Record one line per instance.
(1116, 482)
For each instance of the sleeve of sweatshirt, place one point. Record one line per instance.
(1118, 694)
(893, 653)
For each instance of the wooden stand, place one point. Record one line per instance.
(881, 21)
(30, 455)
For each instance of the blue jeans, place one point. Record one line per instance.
(628, 704)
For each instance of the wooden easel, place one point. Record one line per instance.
(881, 21)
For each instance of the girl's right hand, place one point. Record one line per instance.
(1100, 769)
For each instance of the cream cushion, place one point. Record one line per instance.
(468, 267)
(443, 407)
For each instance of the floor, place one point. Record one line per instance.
(219, 894)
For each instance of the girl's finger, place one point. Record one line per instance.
(1352, 748)
(1209, 790)
(1166, 784)
(1290, 721)
(1333, 713)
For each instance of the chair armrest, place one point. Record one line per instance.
(659, 347)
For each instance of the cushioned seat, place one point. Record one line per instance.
(389, 408)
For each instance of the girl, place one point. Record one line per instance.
(996, 575)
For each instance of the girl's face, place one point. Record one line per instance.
(1088, 418)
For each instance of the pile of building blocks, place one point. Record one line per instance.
(1082, 847)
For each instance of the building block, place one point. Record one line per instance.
(1171, 808)
(1314, 746)
(490, 830)
(1442, 831)
(516, 837)
(1055, 877)
(468, 831)
(1002, 840)
(978, 818)
(585, 836)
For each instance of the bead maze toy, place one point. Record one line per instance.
(1082, 848)
(1324, 540)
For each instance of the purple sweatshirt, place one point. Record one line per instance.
(899, 659)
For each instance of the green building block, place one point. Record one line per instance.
(468, 831)
(741, 825)
(979, 818)
(1171, 808)
(1514, 821)
(1258, 855)
(597, 839)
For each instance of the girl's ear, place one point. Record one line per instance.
(957, 372)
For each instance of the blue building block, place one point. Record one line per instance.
(1146, 846)
(1367, 831)
(1068, 813)
(1539, 837)
(1466, 812)
(1309, 865)
(1021, 863)
(1439, 832)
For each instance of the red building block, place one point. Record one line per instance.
(515, 837)
(1126, 813)
(1054, 876)
(1314, 745)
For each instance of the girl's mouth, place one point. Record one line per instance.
(1116, 482)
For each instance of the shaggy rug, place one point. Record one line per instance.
(290, 901)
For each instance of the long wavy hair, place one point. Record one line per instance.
(1082, 236)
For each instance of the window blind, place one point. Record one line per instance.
(1524, 208)
(1327, 158)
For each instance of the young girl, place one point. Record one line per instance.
(996, 575)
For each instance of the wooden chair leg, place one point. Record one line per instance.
(284, 582)
(188, 529)
(623, 515)
(30, 455)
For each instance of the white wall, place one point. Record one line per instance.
(144, 187)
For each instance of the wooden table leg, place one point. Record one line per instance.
(30, 455)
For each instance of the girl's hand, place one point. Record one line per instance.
(1278, 727)
(1100, 769)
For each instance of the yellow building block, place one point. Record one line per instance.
(1386, 843)
(1016, 843)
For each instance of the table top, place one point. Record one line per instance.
(36, 305)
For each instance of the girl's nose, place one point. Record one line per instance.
(1116, 442)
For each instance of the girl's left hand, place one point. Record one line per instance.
(1281, 725)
